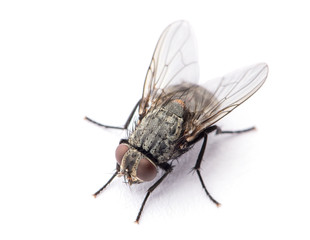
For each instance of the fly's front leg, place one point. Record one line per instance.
(105, 185)
(108, 182)
(114, 127)
(168, 168)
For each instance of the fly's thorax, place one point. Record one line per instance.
(196, 99)
(134, 164)
(159, 131)
(175, 107)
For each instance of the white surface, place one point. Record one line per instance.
(62, 60)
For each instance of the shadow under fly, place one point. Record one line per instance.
(175, 112)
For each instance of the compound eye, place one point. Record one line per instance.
(146, 170)
(120, 152)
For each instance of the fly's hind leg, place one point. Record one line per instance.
(115, 127)
(220, 131)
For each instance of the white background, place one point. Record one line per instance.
(62, 60)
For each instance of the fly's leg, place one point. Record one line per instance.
(103, 125)
(219, 130)
(168, 169)
(197, 169)
(202, 150)
(114, 127)
(105, 185)
(108, 182)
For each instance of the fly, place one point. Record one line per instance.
(175, 112)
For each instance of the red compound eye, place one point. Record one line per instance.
(146, 170)
(120, 152)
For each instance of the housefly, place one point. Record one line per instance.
(175, 112)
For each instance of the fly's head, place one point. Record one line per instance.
(135, 166)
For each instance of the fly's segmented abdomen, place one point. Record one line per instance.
(159, 131)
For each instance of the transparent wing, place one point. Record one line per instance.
(175, 60)
(216, 98)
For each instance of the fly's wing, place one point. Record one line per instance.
(221, 96)
(175, 60)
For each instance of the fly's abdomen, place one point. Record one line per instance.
(159, 131)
